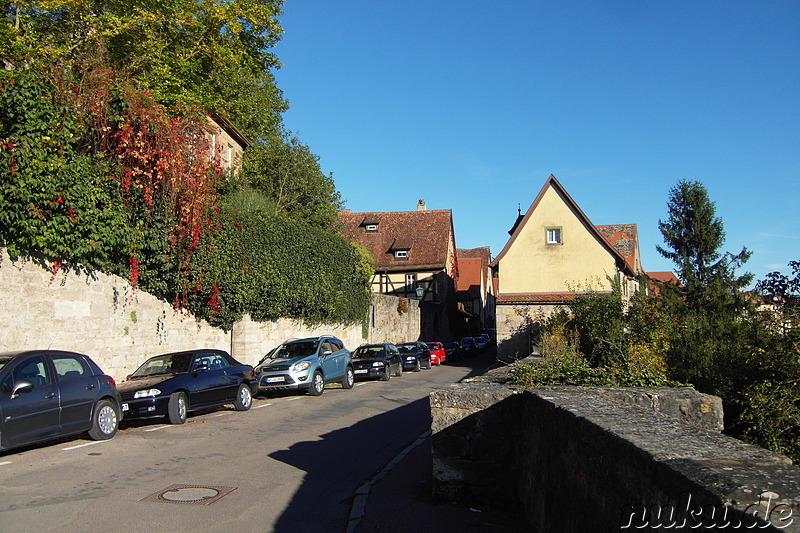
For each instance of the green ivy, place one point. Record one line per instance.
(272, 267)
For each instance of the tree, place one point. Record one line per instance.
(709, 303)
(210, 54)
(289, 174)
(694, 235)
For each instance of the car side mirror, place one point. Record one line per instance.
(20, 386)
(202, 367)
(326, 353)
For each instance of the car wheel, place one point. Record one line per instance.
(317, 385)
(349, 379)
(178, 408)
(399, 370)
(417, 366)
(428, 365)
(387, 374)
(105, 420)
(244, 398)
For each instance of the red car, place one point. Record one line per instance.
(438, 355)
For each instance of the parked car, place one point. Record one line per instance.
(454, 351)
(306, 365)
(415, 355)
(173, 384)
(480, 343)
(377, 361)
(438, 354)
(469, 346)
(52, 393)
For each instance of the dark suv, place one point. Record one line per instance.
(306, 364)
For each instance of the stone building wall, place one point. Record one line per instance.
(101, 315)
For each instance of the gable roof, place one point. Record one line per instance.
(427, 235)
(553, 183)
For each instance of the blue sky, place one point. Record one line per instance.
(471, 105)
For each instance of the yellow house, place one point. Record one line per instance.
(553, 254)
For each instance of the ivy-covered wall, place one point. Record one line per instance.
(102, 316)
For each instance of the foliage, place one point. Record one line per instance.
(598, 319)
(207, 54)
(569, 369)
(288, 173)
(269, 267)
(59, 198)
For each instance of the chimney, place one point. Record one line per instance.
(421, 205)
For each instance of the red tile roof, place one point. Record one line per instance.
(427, 235)
(536, 298)
(624, 238)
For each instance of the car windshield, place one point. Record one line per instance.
(171, 363)
(295, 349)
(368, 352)
(407, 348)
(433, 346)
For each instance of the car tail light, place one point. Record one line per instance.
(111, 381)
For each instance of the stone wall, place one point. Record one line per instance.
(101, 315)
(576, 459)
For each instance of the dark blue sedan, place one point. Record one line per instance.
(171, 385)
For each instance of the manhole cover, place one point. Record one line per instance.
(189, 494)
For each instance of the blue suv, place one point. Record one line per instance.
(306, 364)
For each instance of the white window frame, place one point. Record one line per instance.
(553, 235)
(401, 254)
(371, 227)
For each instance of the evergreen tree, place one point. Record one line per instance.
(709, 303)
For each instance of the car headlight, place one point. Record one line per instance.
(377, 364)
(302, 365)
(410, 358)
(147, 393)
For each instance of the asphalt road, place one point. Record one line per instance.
(292, 463)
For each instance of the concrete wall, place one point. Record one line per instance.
(101, 315)
(575, 459)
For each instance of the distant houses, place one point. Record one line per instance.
(554, 253)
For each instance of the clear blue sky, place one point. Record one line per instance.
(471, 105)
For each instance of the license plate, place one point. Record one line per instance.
(278, 379)
(124, 407)
(361, 371)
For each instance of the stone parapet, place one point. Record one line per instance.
(595, 459)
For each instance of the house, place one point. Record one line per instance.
(475, 290)
(415, 257)
(553, 254)
(227, 143)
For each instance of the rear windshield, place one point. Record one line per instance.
(407, 348)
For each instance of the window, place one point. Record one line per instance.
(401, 254)
(372, 228)
(553, 235)
(68, 367)
(229, 157)
(411, 281)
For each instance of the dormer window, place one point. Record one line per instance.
(401, 254)
(371, 228)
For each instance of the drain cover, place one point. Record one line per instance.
(189, 494)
